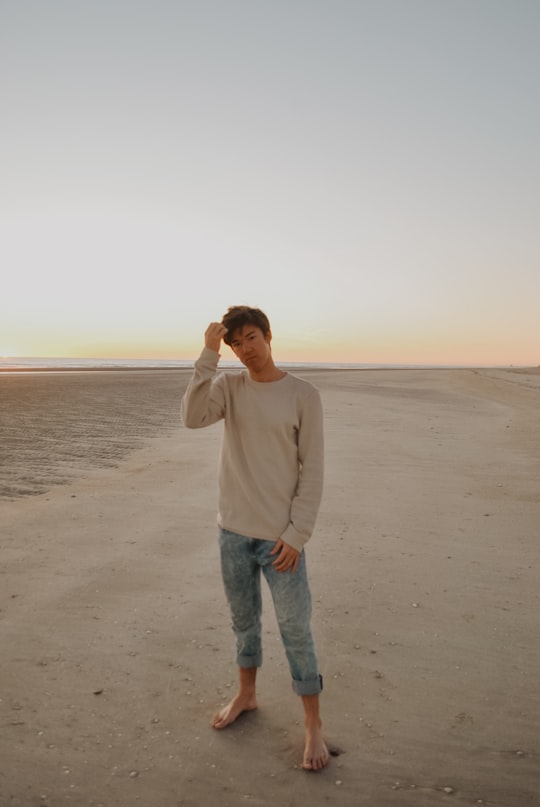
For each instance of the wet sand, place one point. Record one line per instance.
(116, 644)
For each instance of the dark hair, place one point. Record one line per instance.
(239, 315)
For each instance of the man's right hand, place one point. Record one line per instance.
(213, 336)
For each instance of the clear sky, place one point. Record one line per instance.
(366, 171)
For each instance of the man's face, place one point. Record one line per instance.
(251, 346)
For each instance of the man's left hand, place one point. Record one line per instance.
(287, 559)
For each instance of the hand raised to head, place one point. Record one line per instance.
(213, 336)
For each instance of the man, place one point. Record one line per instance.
(270, 487)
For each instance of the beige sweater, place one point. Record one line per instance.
(272, 454)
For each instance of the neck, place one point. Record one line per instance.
(267, 373)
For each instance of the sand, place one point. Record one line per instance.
(116, 644)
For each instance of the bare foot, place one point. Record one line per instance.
(240, 703)
(316, 754)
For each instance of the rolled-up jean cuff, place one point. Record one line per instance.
(313, 687)
(249, 661)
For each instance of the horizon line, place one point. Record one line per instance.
(28, 363)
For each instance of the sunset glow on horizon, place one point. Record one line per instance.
(366, 173)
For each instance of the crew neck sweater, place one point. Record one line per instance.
(270, 472)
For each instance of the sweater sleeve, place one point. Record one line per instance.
(306, 502)
(203, 402)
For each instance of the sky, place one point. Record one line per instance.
(365, 171)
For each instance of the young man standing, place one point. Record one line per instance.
(270, 487)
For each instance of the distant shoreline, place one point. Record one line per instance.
(94, 366)
(119, 369)
(316, 368)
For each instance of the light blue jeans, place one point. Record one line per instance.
(242, 560)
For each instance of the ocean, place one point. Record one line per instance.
(27, 364)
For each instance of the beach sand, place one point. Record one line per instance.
(116, 643)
